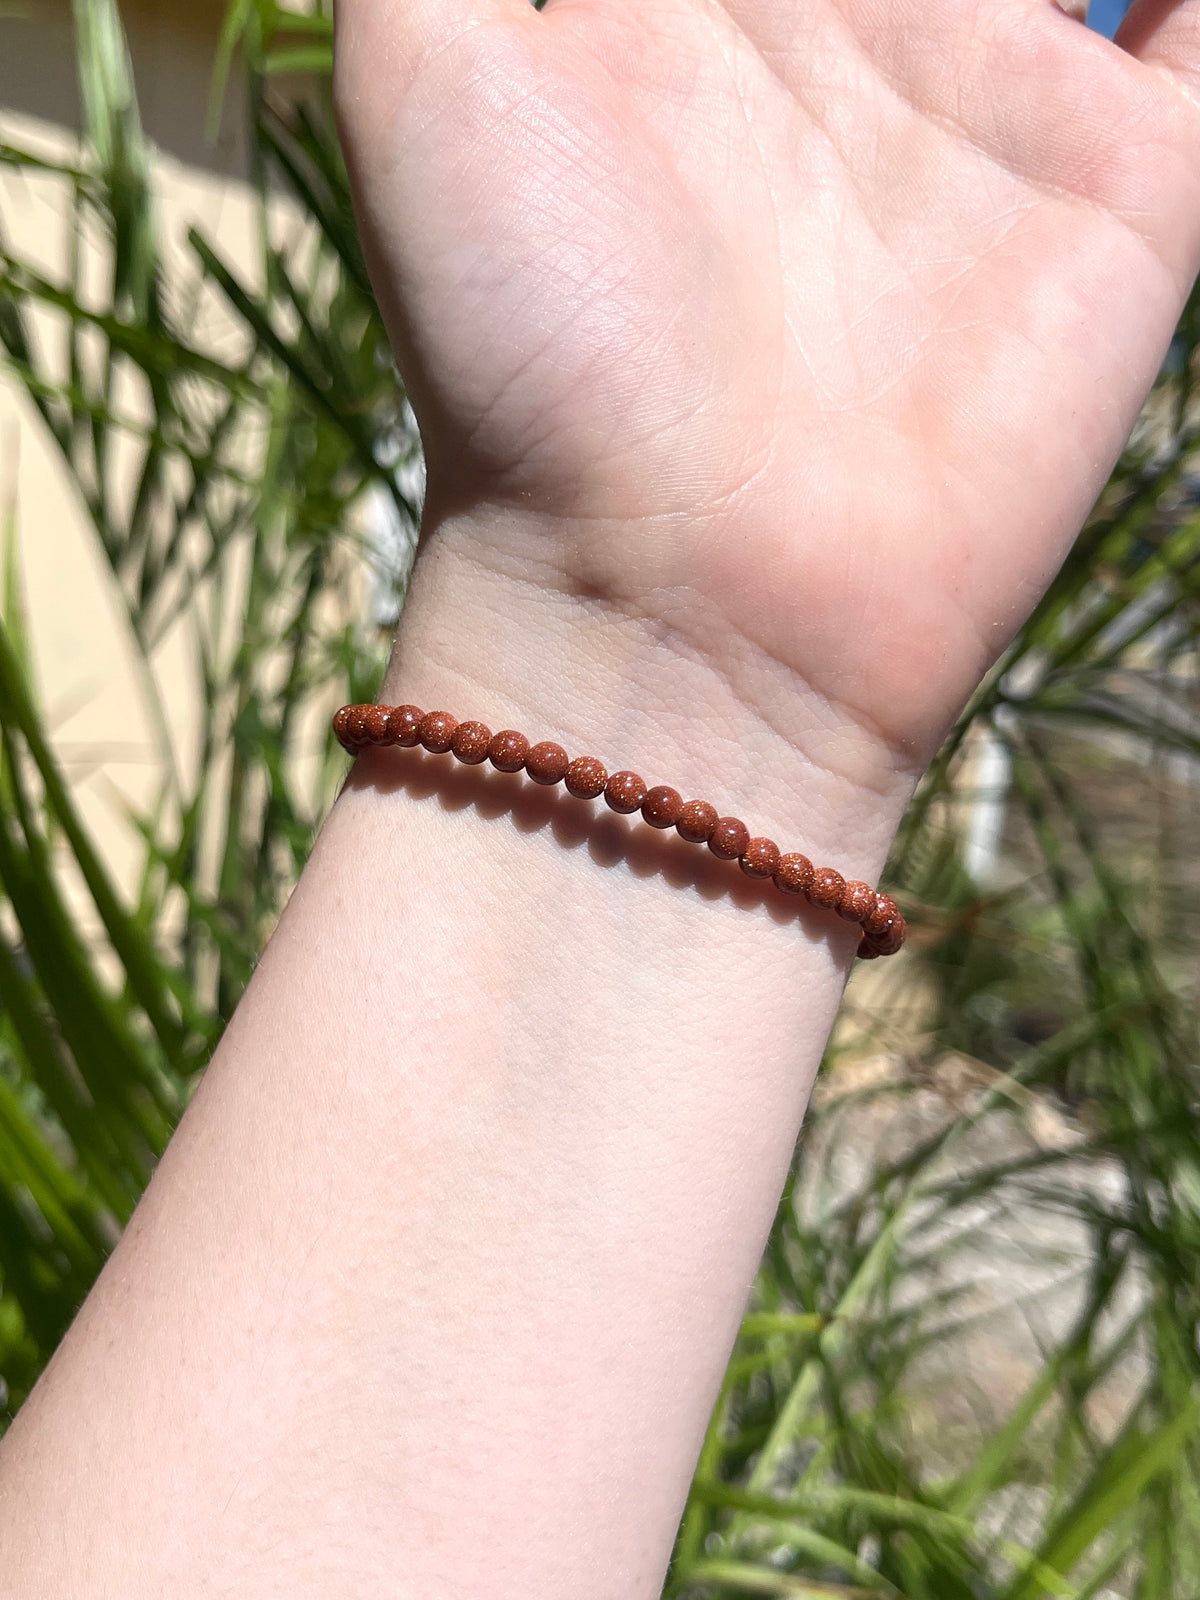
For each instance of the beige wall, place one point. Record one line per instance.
(172, 43)
(85, 663)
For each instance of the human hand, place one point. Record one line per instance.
(802, 332)
(767, 358)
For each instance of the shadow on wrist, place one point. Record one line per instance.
(612, 842)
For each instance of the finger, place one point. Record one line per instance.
(1165, 34)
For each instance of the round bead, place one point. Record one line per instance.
(624, 792)
(340, 719)
(697, 821)
(547, 762)
(729, 838)
(404, 725)
(866, 950)
(375, 724)
(793, 873)
(437, 730)
(886, 944)
(471, 742)
(355, 728)
(858, 901)
(881, 916)
(760, 858)
(826, 888)
(508, 750)
(586, 778)
(662, 806)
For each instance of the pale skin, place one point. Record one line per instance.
(767, 357)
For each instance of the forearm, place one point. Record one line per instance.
(433, 1290)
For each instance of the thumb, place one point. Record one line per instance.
(1165, 34)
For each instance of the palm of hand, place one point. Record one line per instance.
(811, 328)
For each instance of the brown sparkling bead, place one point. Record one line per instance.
(404, 725)
(729, 838)
(887, 943)
(697, 821)
(355, 727)
(508, 750)
(437, 730)
(881, 916)
(624, 792)
(341, 718)
(760, 858)
(662, 806)
(866, 950)
(471, 742)
(858, 901)
(375, 724)
(793, 873)
(586, 778)
(547, 762)
(826, 889)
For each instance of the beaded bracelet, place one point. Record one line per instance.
(883, 928)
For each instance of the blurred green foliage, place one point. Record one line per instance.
(969, 1370)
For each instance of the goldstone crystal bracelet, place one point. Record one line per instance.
(883, 928)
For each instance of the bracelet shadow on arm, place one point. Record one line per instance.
(612, 841)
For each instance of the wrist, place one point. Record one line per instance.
(495, 629)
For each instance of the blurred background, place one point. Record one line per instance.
(970, 1369)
